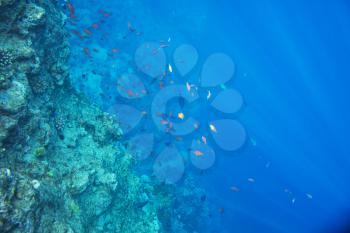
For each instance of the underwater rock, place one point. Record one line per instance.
(95, 202)
(33, 16)
(79, 182)
(6, 123)
(14, 98)
(6, 2)
(17, 202)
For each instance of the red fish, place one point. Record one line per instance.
(130, 93)
(104, 13)
(198, 153)
(86, 51)
(71, 10)
(95, 26)
(78, 34)
(87, 31)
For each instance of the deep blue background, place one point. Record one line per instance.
(293, 62)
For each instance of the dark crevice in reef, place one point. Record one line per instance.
(61, 169)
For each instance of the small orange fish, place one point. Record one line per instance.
(86, 51)
(181, 116)
(198, 153)
(204, 139)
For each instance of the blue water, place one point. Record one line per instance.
(292, 68)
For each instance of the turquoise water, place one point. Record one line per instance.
(280, 163)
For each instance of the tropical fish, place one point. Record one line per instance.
(130, 27)
(253, 141)
(139, 33)
(164, 122)
(198, 153)
(213, 128)
(115, 50)
(71, 10)
(188, 86)
(95, 26)
(204, 139)
(130, 93)
(196, 125)
(87, 32)
(78, 34)
(251, 180)
(164, 45)
(181, 116)
(104, 13)
(209, 94)
(234, 189)
(86, 51)
(309, 195)
(223, 87)
(170, 68)
(221, 210)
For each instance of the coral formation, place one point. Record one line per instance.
(62, 168)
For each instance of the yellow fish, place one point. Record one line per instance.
(213, 128)
(181, 116)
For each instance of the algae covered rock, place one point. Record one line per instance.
(17, 202)
(14, 98)
(6, 2)
(6, 123)
(79, 182)
(96, 202)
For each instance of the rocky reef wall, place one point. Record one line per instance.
(62, 168)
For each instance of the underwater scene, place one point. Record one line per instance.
(147, 116)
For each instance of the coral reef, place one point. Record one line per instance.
(62, 168)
